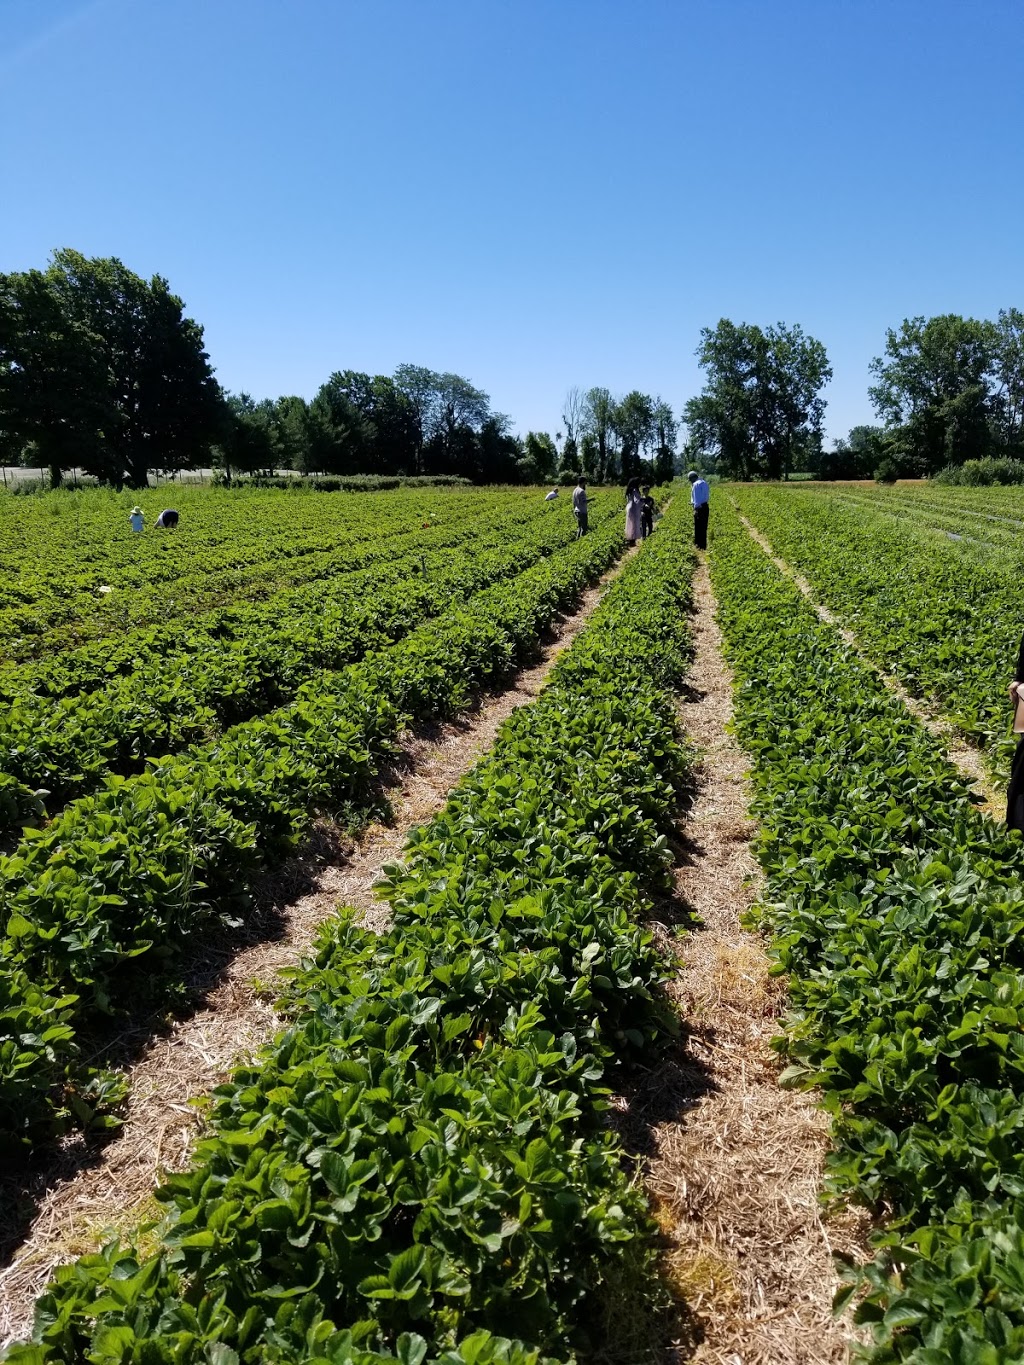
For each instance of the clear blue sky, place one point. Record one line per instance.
(533, 193)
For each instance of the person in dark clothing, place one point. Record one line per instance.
(700, 495)
(646, 513)
(168, 519)
(1015, 794)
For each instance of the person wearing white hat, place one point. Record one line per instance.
(135, 516)
(700, 497)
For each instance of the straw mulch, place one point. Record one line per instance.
(734, 1164)
(86, 1194)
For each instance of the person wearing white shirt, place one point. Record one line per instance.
(552, 495)
(700, 497)
(579, 507)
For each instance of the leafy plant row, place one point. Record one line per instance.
(122, 648)
(418, 1168)
(67, 747)
(896, 909)
(172, 576)
(106, 895)
(935, 616)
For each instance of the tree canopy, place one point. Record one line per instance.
(760, 412)
(101, 369)
(951, 389)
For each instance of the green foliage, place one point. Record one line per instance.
(928, 612)
(418, 1168)
(100, 369)
(99, 902)
(982, 473)
(760, 412)
(897, 912)
(951, 390)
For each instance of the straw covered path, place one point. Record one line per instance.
(93, 1192)
(734, 1169)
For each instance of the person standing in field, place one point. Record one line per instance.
(137, 519)
(633, 511)
(579, 507)
(646, 514)
(700, 497)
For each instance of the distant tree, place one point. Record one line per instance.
(341, 435)
(761, 405)
(633, 419)
(589, 456)
(856, 456)
(666, 432)
(501, 453)
(933, 391)
(598, 420)
(419, 386)
(291, 422)
(459, 412)
(248, 442)
(540, 458)
(1007, 401)
(101, 368)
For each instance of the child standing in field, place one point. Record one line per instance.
(137, 519)
(646, 514)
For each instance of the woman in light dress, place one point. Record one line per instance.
(634, 507)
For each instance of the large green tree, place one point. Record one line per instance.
(1007, 403)
(599, 424)
(933, 388)
(633, 419)
(102, 369)
(760, 411)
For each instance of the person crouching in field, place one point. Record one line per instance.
(168, 519)
(700, 497)
(579, 507)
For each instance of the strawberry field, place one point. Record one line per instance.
(895, 907)
(162, 757)
(419, 1166)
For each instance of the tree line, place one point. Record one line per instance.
(948, 389)
(100, 370)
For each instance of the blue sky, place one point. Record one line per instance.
(533, 193)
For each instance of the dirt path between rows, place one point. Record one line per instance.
(735, 1175)
(114, 1194)
(965, 759)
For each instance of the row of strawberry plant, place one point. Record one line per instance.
(897, 910)
(419, 1167)
(978, 535)
(67, 747)
(109, 892)
(178, 574)
(122, 648)
(926, 610)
